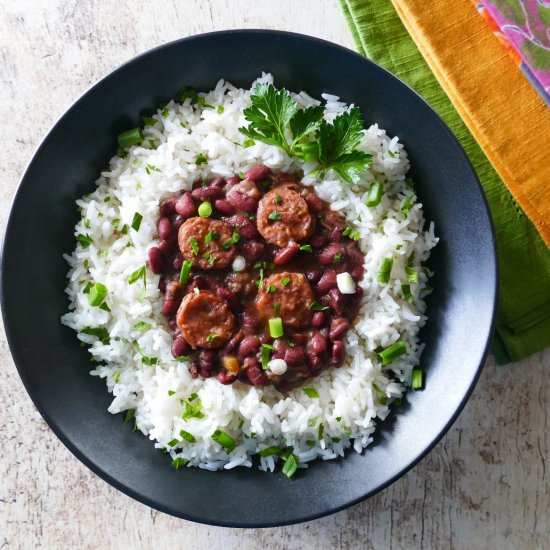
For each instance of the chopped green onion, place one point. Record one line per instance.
(171, 393)
(124, 229)
(275, 216)
(185, 271)
(248, 143)
(151, 168)
(99, 332)
(194, 246)
(130, 137)
(84, 240)
(407, 294)
(270, 289)
(338, 257)
(147, 360)
(205, 209)
(234, 239)
(211, 236)
(409, 183)
(192, 409)
(412, 274)
(265, 355)
(417, 379)
(306, 248)
(353, 234)
(311, 392)
(187, 436)
(130, 413)
(393, 352)
(338, 419)
(211, 337)
(116, 377)
(138, 274)
(277, 199)
(220, 109)
(201, 159)
(189, 93)
(285, 281)
(173, 442)
(316, 306)
(310, 443)
(271, 451)
(384, 270)
(224, 439)
(97, 294)
(291, 465)
(149, 121)
(335, 439)
(320, 431)
(179, 462)
(136, 221)
(276, 308)
(407, 205)
(374, 195)
(276, 327)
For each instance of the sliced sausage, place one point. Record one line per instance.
(206, 255)
(205, 320)
(283, 216)
(293, 294)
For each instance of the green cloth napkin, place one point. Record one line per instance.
(523, 318)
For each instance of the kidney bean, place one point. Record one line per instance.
(314, 202)
(249, 345)
(168, 246)
(226, 378)
(284, 255)
(177, 221)
(209, 193)
(185, 205)
(164, 228)
(357, 273)
(295, 356)
(225, 207)
(179, 345)
(318, 319)
(231, 346)
(327, 281)
(242, 202)
(218, 182)
(252, 250)
(162, 285)
(318, 240)
(258, 173)
(336, 300)
(249, 320)
(255, 373)
(338, 327)
(194, 369)
(318, 343)
(265, 339)
(244, 226)
(280, 349)
(326, 256)
(229, 297)
(338, 353)
(156, 260)
(233, 180)
(336, 235)
(314, 360)
(177, 262)
(167, 206)
(313, 275)
(300, 338)
(172, 298)
(207, 361)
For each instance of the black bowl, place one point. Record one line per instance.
(54, 368)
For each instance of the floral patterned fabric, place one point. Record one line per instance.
(523, 27)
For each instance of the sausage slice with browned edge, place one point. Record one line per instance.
(283, 216)
(204, 242)
(205, 320)
(292, 293)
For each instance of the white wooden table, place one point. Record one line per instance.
(484, 486)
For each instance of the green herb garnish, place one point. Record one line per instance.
(306, 248)
(311, 392)
(275, 216)
(194, 246)
(101, 333)
(265, 355)
(97, 294)
(384, 270)
(179, 462)
(187, 436)
(417, 379)
(140, 273)
(389, 354)
(201, 159)
(84, 240)
(374, 195)
(233, 240)
(185, 271)
(136, 221)
(316, 306)
(130, 137)
(224, 439)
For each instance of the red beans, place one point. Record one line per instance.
(295, 356)
(185, 205)
(319, 343)
(225, 207)
(327, 281)
(249, 320)
(156, 260)
(318, 240)
(249, 346)
(169, 246)
(336, 300)
(318, 319)
(226, 378)
(255, 373)
(179, 345)
(252, 250)
(177, 221)
(177, 262)
(328, 256)
(242, 202)
(313, 275)
(257, 173)
(314, 202)
(233, 180)
(167, 207)
(338, 327)
(314, 360)
(336, 235)
(218, 182)
(229, 297)
(207, 362)
(338, 353)
(244, 226)
(209, 193)
(284, 255)
(165, 228)
(172, 298)
(357, 273)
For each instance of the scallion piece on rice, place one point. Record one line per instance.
(130, 137)
(187, 436)
(291, 465)
(392, 352)
(374, 195)
(97, 294)
(384, 270)
(136, 221)
(417, 379)
(276, 327)
(311, 392)
(224, 439)
(185, 271)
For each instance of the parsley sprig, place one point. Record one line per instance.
(275, 119)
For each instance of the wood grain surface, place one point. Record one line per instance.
(484, 486)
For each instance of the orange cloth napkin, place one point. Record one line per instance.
(505, 114)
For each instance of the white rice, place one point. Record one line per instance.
(350, 398)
